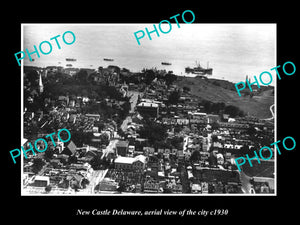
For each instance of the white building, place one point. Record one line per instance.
(137, 163)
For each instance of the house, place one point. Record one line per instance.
(72, 118)
(139, 163)
(71, 71)
(70, 149)
(72, 103)
(94, 116)
(196, 188)
(182, 121)
(220, 159)
(75, 180)
(85, 99)
(146, 108)
(204, 155)
(225, 117)
(197, 115)
(131, 149)
(122, 147)
(151, 187)
(136, 164)
(41, 181)
(28, 115)
(63, 99)
(213, 118)
(204, 187)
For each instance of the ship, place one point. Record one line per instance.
(199, 70)
(106, 59)
(70, 59)
(166, 63)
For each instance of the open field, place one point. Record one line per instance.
(224, 91)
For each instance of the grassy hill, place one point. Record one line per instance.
(215, 90)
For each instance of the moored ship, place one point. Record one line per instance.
(199, 70)
(70, 59)
(106, 59)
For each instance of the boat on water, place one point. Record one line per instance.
(199, 70)
(70, 59)
(166, 63)
(106, 59)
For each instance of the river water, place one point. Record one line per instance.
(232, 50)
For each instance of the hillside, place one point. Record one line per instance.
(224, 91)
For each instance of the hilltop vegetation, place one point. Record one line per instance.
(221, 91)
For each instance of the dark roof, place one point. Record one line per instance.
(72, 147)
(122, 144)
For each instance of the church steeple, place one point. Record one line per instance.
(41, 86)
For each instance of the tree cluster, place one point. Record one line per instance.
(154, 132)
(220, 107)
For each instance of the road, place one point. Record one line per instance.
(96, 177)
(209, 143)
(133, 101)
(125, 123)
(109, 148)
(245, 180)
(272, 107)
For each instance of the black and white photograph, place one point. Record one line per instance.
(122, 112)
(158, 117)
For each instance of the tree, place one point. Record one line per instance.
(104, 139)
(84, 182)
(154, 132)
(212, 159)
(122, 187)
(251, 130)
(177, 142)
(214, 138)
(32, 76)
(170, 78)
(76, 186)
(37, 165)
(233, 111)
(49, 154)
(72, 159)
(96, 162)
(195, 156)
(81, 76)
(48, 188)
(215, 125)
(186, 89)
(149, 76)
(174, 97)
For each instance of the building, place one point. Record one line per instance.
(122, 148)
(64, 99)
(94, 116)
(147, 108)
(136, 164)
(71, 71)
(70, 149)
(41, 181)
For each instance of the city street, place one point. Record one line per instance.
(96, 177)
(110, 148)
(133, 101)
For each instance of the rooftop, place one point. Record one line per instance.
(130, 160)
(122, 143)
(147, 104)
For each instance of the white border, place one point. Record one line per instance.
(139, 194)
